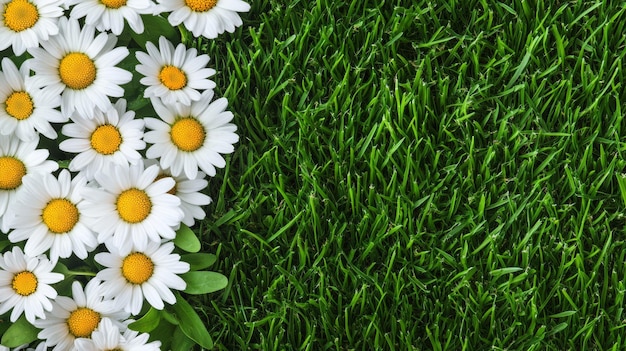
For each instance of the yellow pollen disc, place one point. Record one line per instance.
(113, 4)
(106, 139)
(133, 205)
(77, 70)
(200, 5)
(188, 134)
(60, 215)
(19, 105)
(82, 322)
(137, 268)
(173, 189)
(24, 283)
(20, 15)
(11, 172)
(173, 77)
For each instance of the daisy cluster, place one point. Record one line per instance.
(132, 179)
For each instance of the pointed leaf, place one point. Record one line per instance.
(191, 324)
(148, 322)
(20, 333)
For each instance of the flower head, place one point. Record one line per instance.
(81, 67)
(25, 284)
(111, 137)
(25, 109)
(190, 137)
(49, 215)
(111, 14)
(207, 18)
(130, 208)
(174, 74)
(78, 316)
(26, 23)
(150, 274)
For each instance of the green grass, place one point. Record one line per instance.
(427, 175)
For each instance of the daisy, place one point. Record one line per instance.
(26, 23)
(208, 18)
(108, 337)
(80, 67)
(110, 14)
(150, 274)
(189, 193)
(188, 137)
(174, 75)
(112, 137)
(48, 214)
(130, 208)
(25, 284)
(17, 159)
(24, 108)
(77, 317)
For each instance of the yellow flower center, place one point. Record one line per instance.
(106, 139)
(133, 205)
(60, 215)
(188, 134)
(82, 322)
(19, 105)
(173, 189)
(173, 77)
(24, 283)
(137, 268)
(11, 172)
(201, 5)
(113, 4)
(77, 70)
(20, 15)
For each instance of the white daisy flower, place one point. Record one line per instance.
(150, 274)
(17, 159)
(189, 192)
(110, 14)
(112, 137)
(25, 284)
(208, 18)
(108, 337)
(49, 215)
(174, 75)
(26, 23)
(77, 317)
(188, 137)
(130, 208)
(24, 108)
(80, 67)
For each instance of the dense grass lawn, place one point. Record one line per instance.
(422, 175)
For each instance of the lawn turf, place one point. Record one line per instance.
(421, 175)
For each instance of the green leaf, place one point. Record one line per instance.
(20, 333)
(186, 239)
(163, 333)
(155, 27)
(148, 322)
(180, 341)
(202, 282)
(191, 324)
(198, 261)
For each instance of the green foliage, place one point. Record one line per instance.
(19, 333)
(186, 239)
(204, 282)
